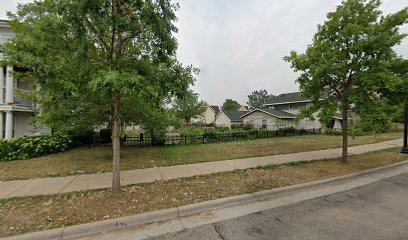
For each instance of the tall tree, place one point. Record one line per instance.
(258, 98)
(98, 62)
(189, 106)
(230, 104)
(349, 61)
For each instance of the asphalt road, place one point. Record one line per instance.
(375, 211)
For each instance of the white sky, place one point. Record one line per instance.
(239, 44)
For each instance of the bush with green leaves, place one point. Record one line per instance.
(20, 148)
(330, 131)
(191, 132)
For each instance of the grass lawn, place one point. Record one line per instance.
(99, 159)
(21, 215)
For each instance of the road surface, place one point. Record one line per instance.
(375, 211)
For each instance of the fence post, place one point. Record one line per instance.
(140, 139)
(185, 139)
(313, 131)
(267, 133)
(203, 138)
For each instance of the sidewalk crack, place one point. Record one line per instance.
(66, 185)
(11, 194)
(62, 232)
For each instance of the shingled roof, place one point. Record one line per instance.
(216, 109)
(273, 112)
(234, 116)
(286, 98)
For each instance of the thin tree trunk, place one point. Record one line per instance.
(344, 124)
(116, 145)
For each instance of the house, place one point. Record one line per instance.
(15, 112)
(243, 108)
(281, 111)
(229, 117)
(208, 116)
(270, 119)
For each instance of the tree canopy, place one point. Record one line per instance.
(258, 98)
(189, 107)
(350, 62)
(230, 104)
(99, 62)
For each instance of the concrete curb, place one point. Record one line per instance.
(144, 219)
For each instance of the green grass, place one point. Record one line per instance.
(99, 159)
(21, 215)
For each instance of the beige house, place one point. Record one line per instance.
(208, 116)
(229, 118)
(269, 119)
(282, 111)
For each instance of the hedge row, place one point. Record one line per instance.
(28, 147)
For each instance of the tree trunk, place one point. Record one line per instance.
(344, 125)
(116, 145)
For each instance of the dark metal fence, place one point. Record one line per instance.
(208, 137)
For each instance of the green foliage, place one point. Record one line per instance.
(247, 127)
(332, 132)
(28, 147)
(191, 132)
(258, 98)
(222, 129)
(351, 62)
(210, 135)
(188, 106)
(230, 104)
(88, 54)
(106, 134)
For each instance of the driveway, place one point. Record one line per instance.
(375, 211)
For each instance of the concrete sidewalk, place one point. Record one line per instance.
(45, 186)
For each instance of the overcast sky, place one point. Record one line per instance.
(239, 44)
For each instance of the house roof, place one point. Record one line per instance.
(291, 98)
(234, 116)
(287, 98)
(272, 112)
(216, 109)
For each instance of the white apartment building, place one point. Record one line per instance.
(15, 113)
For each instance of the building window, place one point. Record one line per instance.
(291, 106)
(264, 124)
(271, 107)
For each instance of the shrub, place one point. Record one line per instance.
(106, 135)
(28, 147)
(237, 126)
(290, 130)
(210, 135)
(191, 132)
(253, 131)
(333, 132)
(222, 129)
(82, 136)
(247, 127)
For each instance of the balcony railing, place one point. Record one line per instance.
(18, 97)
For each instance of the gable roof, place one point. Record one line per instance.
(234, 116)
(216, 109)
(287, 98)
(272, 112)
